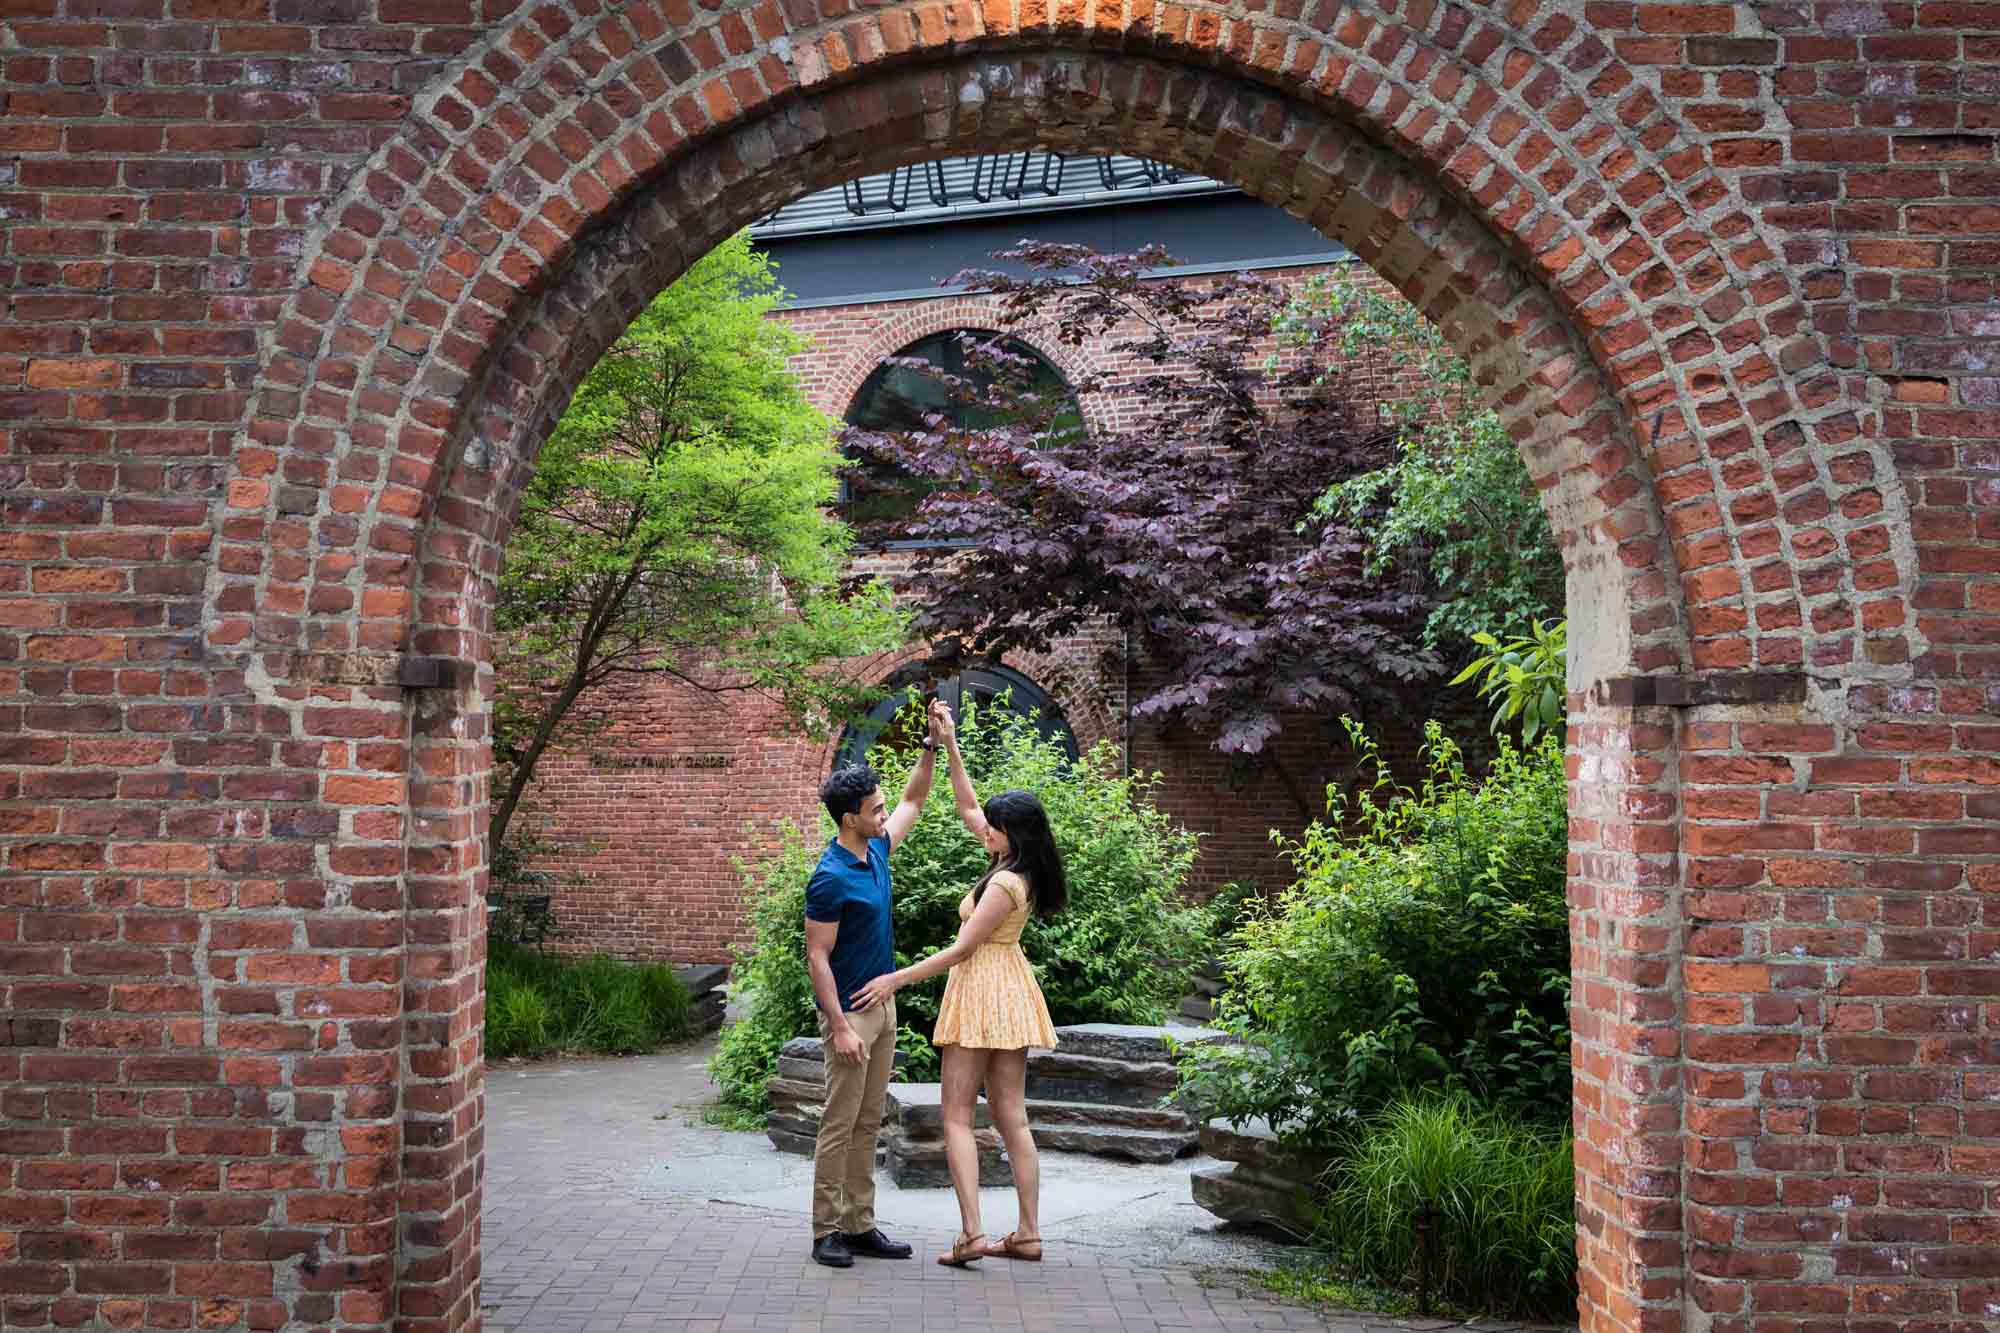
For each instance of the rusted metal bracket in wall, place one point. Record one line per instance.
(404, 669)
(1722, 687)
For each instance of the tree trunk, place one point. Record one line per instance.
(1291, 786)
(524, 771)
(605, 609)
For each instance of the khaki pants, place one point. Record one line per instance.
(844, 1156)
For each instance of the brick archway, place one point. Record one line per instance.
(1743, 563)
(541, 263)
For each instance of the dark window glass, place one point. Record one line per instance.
(901, 398)
(988, 687)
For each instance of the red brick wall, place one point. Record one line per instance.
(295, 290)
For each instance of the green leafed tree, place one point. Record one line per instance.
(1459, 500)
(679, 524)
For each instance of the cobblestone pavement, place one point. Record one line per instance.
(608, 1206)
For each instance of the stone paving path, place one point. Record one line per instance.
(607, 1207)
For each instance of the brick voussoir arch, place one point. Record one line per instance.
(1496, 311)
(519, 116)
(946, 314)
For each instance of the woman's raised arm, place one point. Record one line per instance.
(966, 799)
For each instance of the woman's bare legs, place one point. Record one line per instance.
(1007, 1097)
(964, 1070)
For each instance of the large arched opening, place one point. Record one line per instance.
(1639, 336)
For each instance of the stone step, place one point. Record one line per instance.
(1097, 1091)
(808, 1071)
(801, 1145)
(701, 978)
(918, 1110)
(1135, 1145)
(792, 1122)
(1197, 1007)
(808, 1048)
(1209, 986)
(795, 1092)
(920, 1163)
(1109, 1115)
(1127, 1043)
(1101, 1069)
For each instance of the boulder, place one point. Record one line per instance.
(1256, 1145)
(1265, 1181)
(1247, 1200)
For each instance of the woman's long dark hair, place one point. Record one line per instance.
(1031, 851)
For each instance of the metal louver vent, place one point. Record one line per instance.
(972, 186)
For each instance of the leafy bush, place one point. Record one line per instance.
(1525, 678)
(1497, 1193)
(1123, 952)
(1459, 503)
(536, 1004)
(1426, 948)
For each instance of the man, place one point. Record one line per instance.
(849, 942)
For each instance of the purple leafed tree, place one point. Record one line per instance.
(1187, 518)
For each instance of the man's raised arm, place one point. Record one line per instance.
(904, 817)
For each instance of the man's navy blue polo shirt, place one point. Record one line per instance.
(855, 893)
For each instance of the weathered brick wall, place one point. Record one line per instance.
(294, 289)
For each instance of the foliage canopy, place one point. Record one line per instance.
(1190, 519)
(678, 523)
(1456, 499)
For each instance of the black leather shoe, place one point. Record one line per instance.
(832, 1251)
(875, 1245)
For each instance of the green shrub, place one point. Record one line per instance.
(537, 1004)
(1497, 1193)
(1428, 947)
(1123, 952)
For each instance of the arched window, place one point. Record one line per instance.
(983, 686)
(902, 398)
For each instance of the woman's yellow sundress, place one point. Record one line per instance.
(991, 999)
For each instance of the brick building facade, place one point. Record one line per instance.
(295, 289)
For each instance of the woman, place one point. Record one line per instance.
(992, 1011)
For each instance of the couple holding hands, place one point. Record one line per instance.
(991, 1015)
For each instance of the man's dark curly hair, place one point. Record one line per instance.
(848, 790)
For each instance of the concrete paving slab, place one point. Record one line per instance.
(608, 1205)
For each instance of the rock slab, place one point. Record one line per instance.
(704, 982)
(798, 1098)
(1107, 1089)
(1266, 1180)
(913, 1145)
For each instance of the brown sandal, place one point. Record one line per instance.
(965, 1252)
(1012, 1247)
